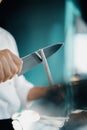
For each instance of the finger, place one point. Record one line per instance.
(5, 68)
(13, 66)
(1, 73)
(18, 62)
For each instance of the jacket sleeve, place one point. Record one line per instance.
(22, 87)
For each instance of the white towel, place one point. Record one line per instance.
(25, 120)
(31, 120)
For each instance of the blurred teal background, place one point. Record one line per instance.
(36, 24)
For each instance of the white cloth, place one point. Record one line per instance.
(25, 120)
(13, 93)
(31, 120)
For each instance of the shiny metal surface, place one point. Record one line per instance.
(34, 59)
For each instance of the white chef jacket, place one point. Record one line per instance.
(13, 93)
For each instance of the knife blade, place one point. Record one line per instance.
(33, 59)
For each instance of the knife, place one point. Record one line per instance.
(33, 59)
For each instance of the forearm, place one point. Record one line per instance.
(37, 92)
(50, 93)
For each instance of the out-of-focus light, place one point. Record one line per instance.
(80, 53)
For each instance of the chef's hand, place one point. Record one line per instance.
(10, 65)
(56, 94)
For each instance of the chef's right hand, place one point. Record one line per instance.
(10, 65)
